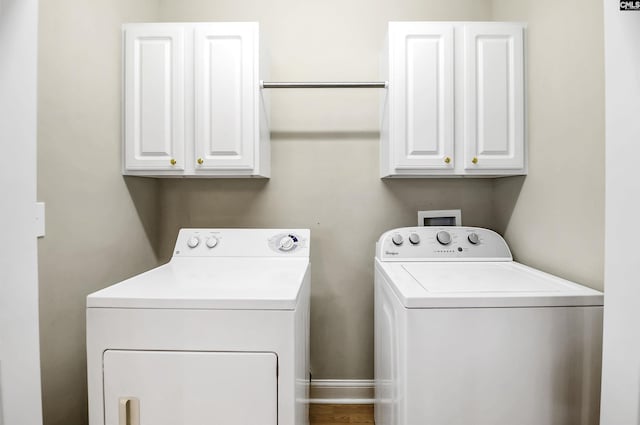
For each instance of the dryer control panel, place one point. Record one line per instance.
(450, 243)
(242, 243)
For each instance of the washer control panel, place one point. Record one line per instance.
(442, 244)
(242, 243)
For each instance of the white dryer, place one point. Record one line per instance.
(466, 336)
(219, 335)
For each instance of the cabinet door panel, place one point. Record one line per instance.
(423, 89)
(225, 85)
(494, 96)
(174, 387)
(154, 98)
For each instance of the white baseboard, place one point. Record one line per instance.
(342, 391)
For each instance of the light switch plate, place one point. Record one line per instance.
(40, 219)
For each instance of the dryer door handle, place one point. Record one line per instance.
(129, 411)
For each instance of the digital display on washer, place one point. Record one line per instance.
(439, 221)
(440, 218)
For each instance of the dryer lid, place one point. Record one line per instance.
(210, 283)
(482, 284)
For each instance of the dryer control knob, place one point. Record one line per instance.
(193, 241)
(414, 238)
(212, 241)
(286, 244)
(397, 239)
(473, 238)
(443, 237)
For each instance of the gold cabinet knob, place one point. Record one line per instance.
(200, 161)
(474, 160)
(173, 161)
(447, 160)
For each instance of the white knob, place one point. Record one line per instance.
(414, 238)
(212, 241)
(397, 239)
(473, 238)
(443, 237)
(193, 241)
(287, 243)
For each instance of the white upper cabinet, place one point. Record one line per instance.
(455, 101)
(494, 97)
(423, 98)
(225, 97)
(193, 104)
(154, 98)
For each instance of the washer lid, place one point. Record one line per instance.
(482, 284)
(210, 283)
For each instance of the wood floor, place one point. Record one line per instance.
(327, 414)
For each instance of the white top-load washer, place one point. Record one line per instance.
(466, 336)
(219, 335)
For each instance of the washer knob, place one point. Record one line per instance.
(443, 237)
(212, 241)
(414, 238)
(287, 244)
(193, 241)
(397, 239)
(473, 238)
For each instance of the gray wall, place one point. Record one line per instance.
(554, 219)
(325, 160)
(102, 227)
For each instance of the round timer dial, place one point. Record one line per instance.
(287, 243)
(443, 237)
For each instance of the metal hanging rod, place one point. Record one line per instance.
(323, 85)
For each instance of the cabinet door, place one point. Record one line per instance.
(225, 89)
(154, 97)
(422, 84)
(494, 96)
(174, 387)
